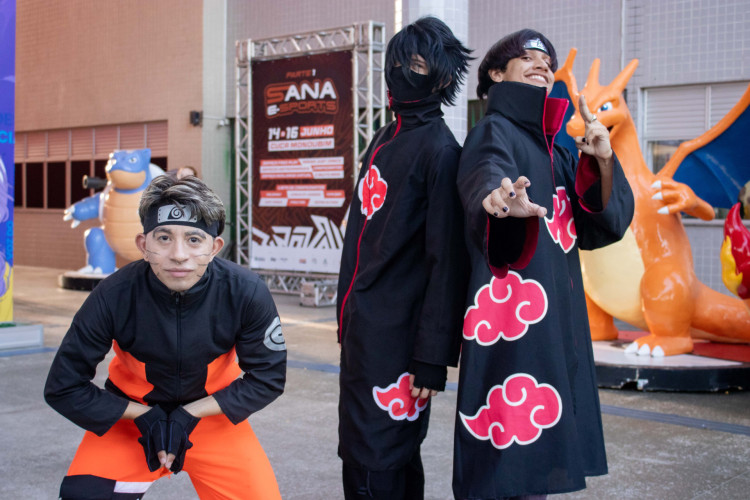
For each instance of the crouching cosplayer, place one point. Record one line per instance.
(197, 347)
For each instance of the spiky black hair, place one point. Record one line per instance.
(446, 57)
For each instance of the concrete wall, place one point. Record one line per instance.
(682, 42)
(455, 13)
(216, 153)
(591, 26)
(261, 19)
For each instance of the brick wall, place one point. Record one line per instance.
(86, 63)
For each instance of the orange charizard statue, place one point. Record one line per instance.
(647, 279)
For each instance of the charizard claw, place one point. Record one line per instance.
(645, 350)
(663, 345)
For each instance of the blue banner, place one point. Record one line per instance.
(7, 169)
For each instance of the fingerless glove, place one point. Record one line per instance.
(180, 425)
(428, 376)
(153, 427)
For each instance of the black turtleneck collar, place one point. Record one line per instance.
(416, 113)
(528, 106)
(189, 296)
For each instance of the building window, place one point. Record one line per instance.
(18, 198)
(475, 110)
(659, 152)
(161, 162)
(99, 169)
(674, 115)
(79, 169)
(56, 185)
(34, 185)
(50, 165)
(677, 114)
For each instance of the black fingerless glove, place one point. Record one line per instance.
(428, 376)
(181, 424)
(153, 427)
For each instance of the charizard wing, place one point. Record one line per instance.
(715, 164)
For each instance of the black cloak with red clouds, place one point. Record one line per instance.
(528, 420)
(402, 285)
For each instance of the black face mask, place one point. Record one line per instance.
(403, 91)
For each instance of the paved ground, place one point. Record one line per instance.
(659, 445)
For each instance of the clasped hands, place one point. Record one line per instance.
(511, 198)
(164, 437)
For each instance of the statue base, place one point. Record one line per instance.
(710, 367)
(75, 280)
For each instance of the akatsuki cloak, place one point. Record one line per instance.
(528, 418)
(401, 286)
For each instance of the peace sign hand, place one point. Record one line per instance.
(595, 141)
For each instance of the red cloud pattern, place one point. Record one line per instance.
(504, 309)
(516, 411)
(397, 401)
(372, 189)
(562, 226)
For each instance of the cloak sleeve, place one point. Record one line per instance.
(486, 160)
(261, 354)
(69, 389)
(598, 226)
(439, 332)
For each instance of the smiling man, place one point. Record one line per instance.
(528, 422)
(184, 325)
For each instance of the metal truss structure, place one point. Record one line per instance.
(314, 289)
(367, 41)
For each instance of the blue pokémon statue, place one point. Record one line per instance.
(116, 206)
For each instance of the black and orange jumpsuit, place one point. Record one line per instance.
(171, 349)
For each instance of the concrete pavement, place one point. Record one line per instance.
(659, 445)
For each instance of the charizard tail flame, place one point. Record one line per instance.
(735, 255)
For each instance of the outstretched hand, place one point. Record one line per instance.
(512, 200)
(595, 140)
(68, 215)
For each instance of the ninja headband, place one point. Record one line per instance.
(535, 44)
(173, 214)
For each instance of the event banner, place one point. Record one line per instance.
(302, 161)
(7, 169)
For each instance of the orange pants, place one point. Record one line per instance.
(225, 462)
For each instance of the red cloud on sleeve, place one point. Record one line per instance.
(504, 309)
(562, 226)
(397, 401)
(516, 411)
(372, 189)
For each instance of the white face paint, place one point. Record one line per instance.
(178, 255)
(274, 339)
